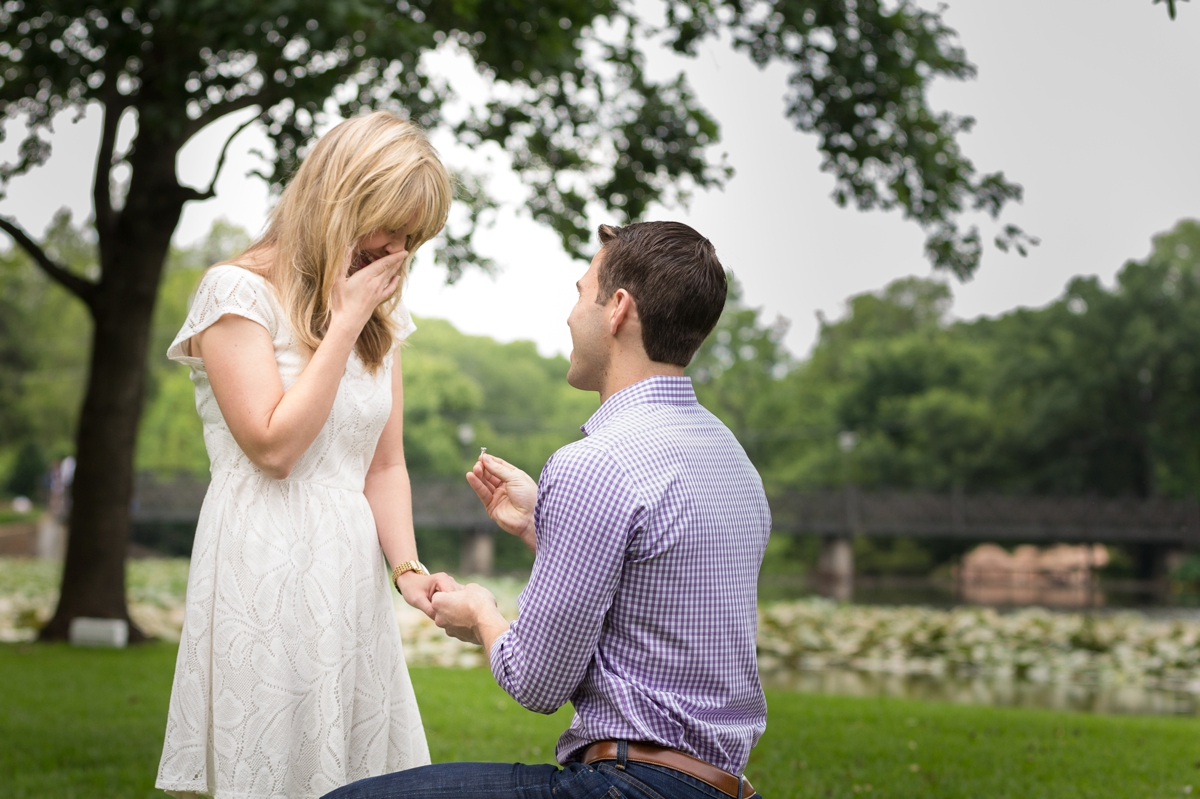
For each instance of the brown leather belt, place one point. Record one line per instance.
(707, 773)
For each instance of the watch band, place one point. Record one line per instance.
(408, 566)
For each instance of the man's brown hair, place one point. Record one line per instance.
(674, 277)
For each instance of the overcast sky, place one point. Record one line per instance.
(1092, 105)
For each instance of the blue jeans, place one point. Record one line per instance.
(518, 781)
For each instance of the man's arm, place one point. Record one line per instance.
(470, 615)
(586, 510)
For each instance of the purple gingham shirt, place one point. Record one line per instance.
(641, 608)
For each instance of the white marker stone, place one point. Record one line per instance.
(99, 632)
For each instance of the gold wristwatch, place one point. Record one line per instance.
(408, 566)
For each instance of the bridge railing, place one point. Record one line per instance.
(437, 502)
(989, 517)
(451, 504)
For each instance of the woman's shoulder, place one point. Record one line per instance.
(230, 284)
(223, 290)
(230, 274)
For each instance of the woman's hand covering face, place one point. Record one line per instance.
(375, 246)
(359, 293)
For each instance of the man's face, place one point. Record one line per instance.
(589, 353)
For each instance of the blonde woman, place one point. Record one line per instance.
(291, 679)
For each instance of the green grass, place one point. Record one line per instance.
(819, 746)
(88, 723)
(82, 723)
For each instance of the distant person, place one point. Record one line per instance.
(62, 475)
(291, 679)
(649, 535)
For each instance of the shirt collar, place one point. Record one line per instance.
(656, 390)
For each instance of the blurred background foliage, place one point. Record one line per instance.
(1097, 393)
(461, 392)
(44, 333)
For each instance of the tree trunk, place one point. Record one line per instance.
(133, 247)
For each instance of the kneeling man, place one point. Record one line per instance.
(649, 534)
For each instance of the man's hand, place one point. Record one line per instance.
(470, 615)
(509, 496)
(419, 589)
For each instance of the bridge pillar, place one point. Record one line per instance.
(478, 552)
(835, 567)
(1155, 562)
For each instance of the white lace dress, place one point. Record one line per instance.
(291, 678)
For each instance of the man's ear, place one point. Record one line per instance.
(623, 310)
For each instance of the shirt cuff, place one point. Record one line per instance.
(496, 659)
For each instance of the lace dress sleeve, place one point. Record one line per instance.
(225, 289)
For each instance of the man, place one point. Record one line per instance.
(649, 534)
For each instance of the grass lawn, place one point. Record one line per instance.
(77, 723)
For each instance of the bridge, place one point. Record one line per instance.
(165, 514)
(1154, 527)
(989, 517)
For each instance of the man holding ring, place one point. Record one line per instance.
(649, 534)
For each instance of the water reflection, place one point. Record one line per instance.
(1125, 699)
(1063, 575)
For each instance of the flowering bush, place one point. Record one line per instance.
(29, 590)
(1032, 644)
(425, 644)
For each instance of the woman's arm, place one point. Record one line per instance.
(273, 427)
(390, 495)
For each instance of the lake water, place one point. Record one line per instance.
(1144, 597)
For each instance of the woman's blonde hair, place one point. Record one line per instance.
(369, 174)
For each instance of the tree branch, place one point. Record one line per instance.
(1170, 7)
(102, 189)
(217, 111)
(211, 192)
(81, 288)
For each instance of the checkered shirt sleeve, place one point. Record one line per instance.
(585, 511)
(641, 607)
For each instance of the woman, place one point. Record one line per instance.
(291, 679)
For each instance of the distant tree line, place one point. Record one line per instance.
(1096, 393)
(461, 392)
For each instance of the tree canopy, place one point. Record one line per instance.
(1096, 393)
(587, 128)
